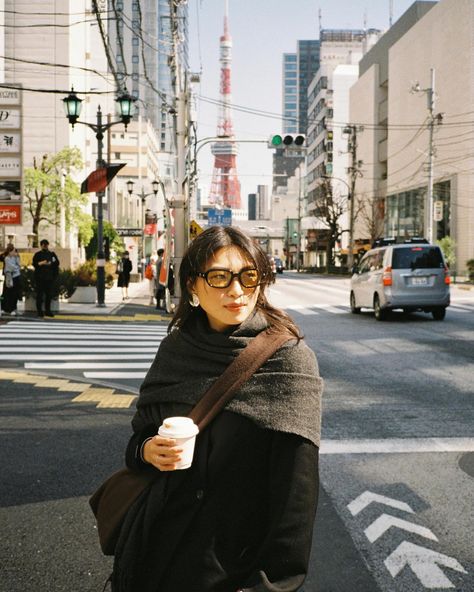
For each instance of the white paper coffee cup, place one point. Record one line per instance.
(184, 431)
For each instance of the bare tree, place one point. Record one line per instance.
(371, 214)
(330, 208)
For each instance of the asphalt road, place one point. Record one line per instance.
(397, 466)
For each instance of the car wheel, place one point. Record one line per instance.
(354, 309)
(380, 313)
(439, 313)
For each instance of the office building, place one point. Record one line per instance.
(396, 141)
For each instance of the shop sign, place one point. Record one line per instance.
(10, 190)
(10, 214)
(10, 166)
(9, 118)
(10, 96)
(9, 141)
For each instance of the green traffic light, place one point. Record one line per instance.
(277, 140)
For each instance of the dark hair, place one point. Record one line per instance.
(44, 242)
(203, 248)
(160, 252)
(10, 247)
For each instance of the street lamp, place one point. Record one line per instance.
(126, 108)
(155, 185)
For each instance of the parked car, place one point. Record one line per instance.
(279, 265)
(412, 276)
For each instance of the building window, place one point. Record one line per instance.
(135, 41)
(135, 76)
(119, 59)
(135, 59)
(117, 155)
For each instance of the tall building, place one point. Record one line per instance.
(36, 58)
(308, 55)
(298, 69)
(396, 141)
(225, 187)
(140, 39)
(290, 93)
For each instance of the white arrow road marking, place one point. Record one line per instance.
(366, 498)
(385, 521)
(423, 562)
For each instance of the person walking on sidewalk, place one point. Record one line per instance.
(12, 280)
(46, 264)
(241, 517)
(124, 269)
(150, 274)
(160, 289)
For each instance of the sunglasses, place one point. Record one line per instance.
(222, 278)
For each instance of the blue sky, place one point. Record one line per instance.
(262, 30)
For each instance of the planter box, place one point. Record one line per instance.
(30, 304)
(84, 295)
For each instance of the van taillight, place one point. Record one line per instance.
(447, 277)
(387, 276)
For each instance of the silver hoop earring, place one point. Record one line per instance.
(194, 301)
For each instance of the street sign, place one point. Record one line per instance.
(194, 229)
(438, 211)
(129, 231)
(219, 217)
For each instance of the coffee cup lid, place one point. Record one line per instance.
(178, 427)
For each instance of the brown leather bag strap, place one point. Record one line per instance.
(259, 350)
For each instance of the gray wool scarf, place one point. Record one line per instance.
(283, 395)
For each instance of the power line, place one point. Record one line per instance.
(110, 63)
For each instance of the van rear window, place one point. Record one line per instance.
(419, 257)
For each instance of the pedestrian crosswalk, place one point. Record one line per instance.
(97, 351)
(111, 350)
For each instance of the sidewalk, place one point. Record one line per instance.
(136, 308)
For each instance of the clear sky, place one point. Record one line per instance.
(262, 30)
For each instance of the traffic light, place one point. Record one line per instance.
(329, 144)
(287, 141)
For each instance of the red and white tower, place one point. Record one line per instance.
(225, 187)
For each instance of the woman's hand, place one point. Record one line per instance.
(161, 453)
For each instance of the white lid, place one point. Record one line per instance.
(178, 427)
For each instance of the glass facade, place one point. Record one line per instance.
(308, 64)
(405, 212)
(290, 90)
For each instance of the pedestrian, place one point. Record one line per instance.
(150, 274)
(160, 288)
(46, 264)
(124, 269)
(12, 280)
(241, 517)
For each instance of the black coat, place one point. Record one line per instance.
(45, 273)
(124, 274)
(241, 517)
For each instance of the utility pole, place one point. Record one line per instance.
(430, 225)
(430, 93)
(298, 239)
(180, 200)
(353, 172)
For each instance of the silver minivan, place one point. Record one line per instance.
(410, 277)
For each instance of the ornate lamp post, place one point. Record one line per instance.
(126, 108)
(155, 185)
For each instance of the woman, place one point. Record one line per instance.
(12, 280)
(124, 269)
(241, 518)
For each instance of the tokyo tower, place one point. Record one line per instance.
(225, 187)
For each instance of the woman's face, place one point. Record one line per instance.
(230, 306)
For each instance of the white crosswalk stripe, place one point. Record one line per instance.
(103, 351)
(316, 309)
